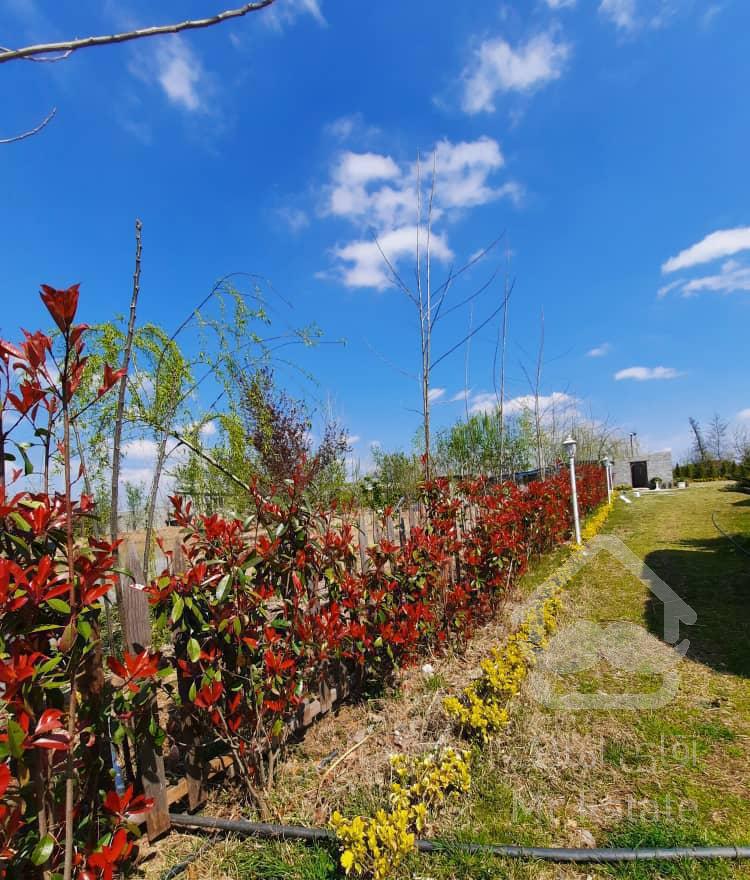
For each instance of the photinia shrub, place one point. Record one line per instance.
(272, 607)
(59, 812)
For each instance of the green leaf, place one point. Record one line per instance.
(49, 665)
(223, 588)
(43, 850)
(84, 628)
(20, 521)
(60, 605)
(16, 736)
(193, 650)
(178, 606)
(192, 692)
(28, 467)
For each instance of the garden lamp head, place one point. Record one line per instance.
(569, 446)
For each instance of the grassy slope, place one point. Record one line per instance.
(667, 777)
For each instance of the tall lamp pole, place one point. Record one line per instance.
(607, 462)
(569, 446)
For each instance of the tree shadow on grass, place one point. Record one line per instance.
(713, 577)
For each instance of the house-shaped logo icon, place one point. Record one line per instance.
(625, 646)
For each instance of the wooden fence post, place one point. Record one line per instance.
(362, 543)
(150, 761)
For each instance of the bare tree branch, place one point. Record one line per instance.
(32, 131)
(473, 332)
(68, 46)
(51, 60)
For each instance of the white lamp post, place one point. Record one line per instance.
(607, 462)
(569, 446)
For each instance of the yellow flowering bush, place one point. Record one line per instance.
(374, 848)
(481, 710)
(594, 523)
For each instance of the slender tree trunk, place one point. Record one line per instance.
(119, 412)
(502, 378)
(70, 774)
(153, 497)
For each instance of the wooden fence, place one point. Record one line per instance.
(137, 635)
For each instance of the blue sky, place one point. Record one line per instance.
(607, 138)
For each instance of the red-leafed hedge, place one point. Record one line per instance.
(270, 608)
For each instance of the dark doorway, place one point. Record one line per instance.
(639, 474)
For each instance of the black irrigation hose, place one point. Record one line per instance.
(548, 854)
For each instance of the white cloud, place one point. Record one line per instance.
(722, 243)
(560, 4)
(732, 277)
(285, 12)
(349, 127)
(622, 13)
(295, 218)
(599, 350)
(435, 394)
(140, 450)
(666, 288)
(352, 439)
(362, 265)
(645, 374)
(631, 15)
(558, 401)
(174, 65)
(744, 414)
(498, 67)
(376, 193)
(461, 395)
(180, 73)
(209, 429)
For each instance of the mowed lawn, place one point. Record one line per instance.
(678, 774)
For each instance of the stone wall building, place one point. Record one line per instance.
(640, 469)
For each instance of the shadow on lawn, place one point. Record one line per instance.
(714, 579)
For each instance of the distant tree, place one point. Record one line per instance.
(700, 450)
(135, 496)
(396, 477)
(716, 437)
(278, 431)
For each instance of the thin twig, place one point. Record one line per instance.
(108, 39)
(32, 131)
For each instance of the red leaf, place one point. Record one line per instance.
(4, 778)
(110, 378)
(61, 304)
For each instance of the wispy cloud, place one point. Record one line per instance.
(435, 394)
(285, 12)
(599, 350)
(560, 4)
(647, 374)
(462, 395)
(723, 243)
(622, 13)
(632, 15)
(352, 439)
(732, 277)
(378, 196)
(558, 402)
(744, 414)
(294, 218)
(497, 68)
(667, 288)
(173, 65)
(351, 127)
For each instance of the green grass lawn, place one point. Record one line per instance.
(678, 774)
